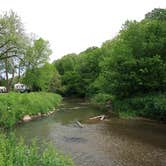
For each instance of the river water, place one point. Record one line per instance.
(117, 142)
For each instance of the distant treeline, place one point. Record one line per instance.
(129, 70)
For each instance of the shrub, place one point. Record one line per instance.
(151, 106)
(101, 98)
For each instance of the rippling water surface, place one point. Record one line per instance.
(108, 143)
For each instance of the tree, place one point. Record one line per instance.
(66, 63)
(44, 78)
(12, 44)
(79, 71)
(36, 63)
(134, 62)
(88, 68)
(37, 53)
(157, 13)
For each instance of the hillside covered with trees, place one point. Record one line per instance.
(129, 71)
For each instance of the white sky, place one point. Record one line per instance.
(74, 25)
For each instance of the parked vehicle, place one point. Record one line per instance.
(3, 89)
(21, 88)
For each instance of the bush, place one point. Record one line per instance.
(101, 98)
(150, 106)
(13, 106)
(18, 154)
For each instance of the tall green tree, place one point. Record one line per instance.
(44, 78)
(135, 61)
(37, 53)
(156, 14)
(12, 44)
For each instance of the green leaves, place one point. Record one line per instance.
(37, 54)
(79, 71)
(156, 14)
(134, 62)
(150, 106)
(12, 37)
(44, 78)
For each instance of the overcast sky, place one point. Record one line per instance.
(74, 25)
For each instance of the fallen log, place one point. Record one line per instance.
(101, 117)
(96, 117)
(79, 124)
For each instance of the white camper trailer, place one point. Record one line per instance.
(3, 89)
(21, 88)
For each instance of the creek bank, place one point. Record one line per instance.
(139, 118)
(28, 118)
(16, 107)
(109, 113)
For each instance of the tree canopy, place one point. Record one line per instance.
(131, 65)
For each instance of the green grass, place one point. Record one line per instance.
(14, 106)
(14, 152)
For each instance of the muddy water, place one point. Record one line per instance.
(111, 143)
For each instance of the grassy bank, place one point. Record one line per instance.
(149, 106)
(14, 106)
(15, 153)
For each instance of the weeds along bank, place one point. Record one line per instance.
(14, 106)
(149, 106)
(15, 153)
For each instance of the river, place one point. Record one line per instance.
(118, 142)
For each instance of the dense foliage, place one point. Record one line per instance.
(14, 106)
(78, 72)
(14, 152)
(128, 67)
(44, 78)
(22, 55)
(150, 106)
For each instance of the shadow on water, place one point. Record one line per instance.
(117, 142)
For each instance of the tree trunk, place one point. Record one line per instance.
(6, 73)
(11, 80)
(19, 73)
